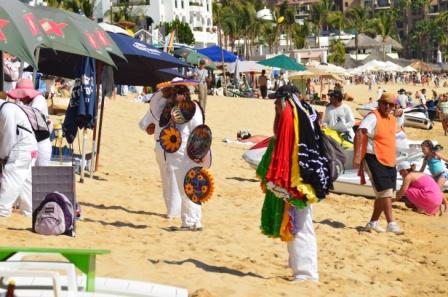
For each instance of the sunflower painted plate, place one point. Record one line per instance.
(165, 116)
(170, 139)
(199, 185)
(184, 111)
(199, 142)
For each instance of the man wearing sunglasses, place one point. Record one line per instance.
(375, 151)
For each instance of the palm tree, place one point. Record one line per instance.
(358, 19)
(337, 50)
(337, 19)
(384, 25)
(319, 16)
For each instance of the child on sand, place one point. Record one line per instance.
(433, 158)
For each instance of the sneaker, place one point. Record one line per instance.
(374, 226)
(394, 228)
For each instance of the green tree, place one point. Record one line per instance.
(182, 30)
(337, 50)
(384, 25)
(337, 19)
(358, 18)
(319, 17)
(425, 37)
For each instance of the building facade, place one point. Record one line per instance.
(196, 13)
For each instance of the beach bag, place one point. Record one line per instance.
(38, 121)
(54, 216)
(335, 155)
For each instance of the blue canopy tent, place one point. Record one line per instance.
(217, 54)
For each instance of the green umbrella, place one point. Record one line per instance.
(283, 62)
(76, 34)
(194, 58)
(20, 33)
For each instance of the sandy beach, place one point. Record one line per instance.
(122, 211)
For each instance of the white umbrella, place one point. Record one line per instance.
(112, 28)
(245, 66)
(409, 69)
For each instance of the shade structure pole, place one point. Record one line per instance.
(1, 71)
(99, 68)
(100, 129)
(83, 153)
(34, 69)
(223, 72)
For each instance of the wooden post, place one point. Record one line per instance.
(99, 71)
(100, 128)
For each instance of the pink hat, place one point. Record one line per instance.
(24, 88)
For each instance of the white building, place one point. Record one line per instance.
(196, 13)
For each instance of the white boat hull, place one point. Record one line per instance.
(414, 119)
(349, 182)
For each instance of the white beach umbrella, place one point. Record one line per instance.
(112, 28)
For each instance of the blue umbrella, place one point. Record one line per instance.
(139, 69)
(215, 53)
(142, 58)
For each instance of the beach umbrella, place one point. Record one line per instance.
(142, 59)
(192, 57)
(76, 34)
(283, 62)
(113, 28)
(217, 54)
(20, 33)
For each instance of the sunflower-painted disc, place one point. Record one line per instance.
(184, 111)
(199, 142)
(170, 139)
(199, 185)
(165, 116)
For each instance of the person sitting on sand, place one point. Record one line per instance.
(420, 190)
(338, 116)
(433, 158)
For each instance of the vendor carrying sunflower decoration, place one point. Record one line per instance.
(185, 143)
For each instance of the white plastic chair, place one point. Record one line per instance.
(5, 272)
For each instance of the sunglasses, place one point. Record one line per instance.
(391, 105)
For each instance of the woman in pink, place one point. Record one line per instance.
(420, 189)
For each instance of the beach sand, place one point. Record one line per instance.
(122, 211)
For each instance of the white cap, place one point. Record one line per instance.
(403, 165)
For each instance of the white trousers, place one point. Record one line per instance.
(15, 183)
(44, 149)
(302, 249)
(191, 213)
(170, 189)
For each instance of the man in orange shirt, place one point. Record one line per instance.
(375, 151)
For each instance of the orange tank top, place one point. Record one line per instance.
(384, 140)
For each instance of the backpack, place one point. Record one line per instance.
(335, 155)
(38, 121)
(54, 216)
